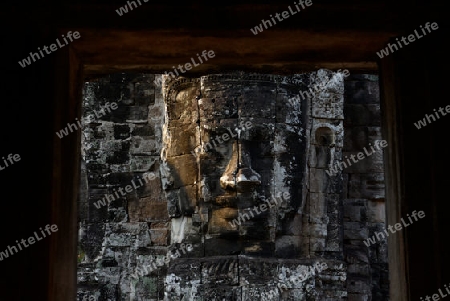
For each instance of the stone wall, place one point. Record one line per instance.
(121, 148)
(364, 208)
(169, 208)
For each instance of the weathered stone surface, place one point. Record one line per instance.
(364, 114)
(359, 286)
(358, 137)
(362, 90)
(184, 170)
(368, 186)
(143, 146)
(287, 246)
(141, 163)
(376, 212)
(355, 210)
(355, 230)
(317, 208)
(274, 147)
(366, 190)
(148, 210)
(359, 297)
(91, 238)
(328, 101)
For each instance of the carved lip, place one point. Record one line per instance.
(226, 201)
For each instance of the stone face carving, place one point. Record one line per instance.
(235, 142)
(235, 154)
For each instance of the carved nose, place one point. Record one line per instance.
(239, 175)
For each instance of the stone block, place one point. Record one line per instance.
(159, 237)
(115, 152)
(289, 105)
(145, 130)
(318, 230)
(148, 210)
(359, 286)
(317, 208)
(259, 103)
(359, 297)
(118, 179)
(137, 114)
(376, 212)
(317, 244)
(222, 220)
(149, 288)
(254, 230)
(318, 182)
(258, 292)
(295, 226)
(156, 114)
(96, 180)
(143, 146)
(356, 255)
(288, 246)
(182, 201)
(355, 230)
(362, 115)
(149, 185)
(355, 210)
(95, 214)
(121, 131)
(359, 270)
(327, 95)
(108, 291)
(183, 141)
(367, 186)
(184, 168)
(217, 246)
(372, 163)
(188, 199)
(142, 163)
(361, 91)
(355, 138)
(143, 93)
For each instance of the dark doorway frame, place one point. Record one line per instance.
(93, 56)
(64, 250)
